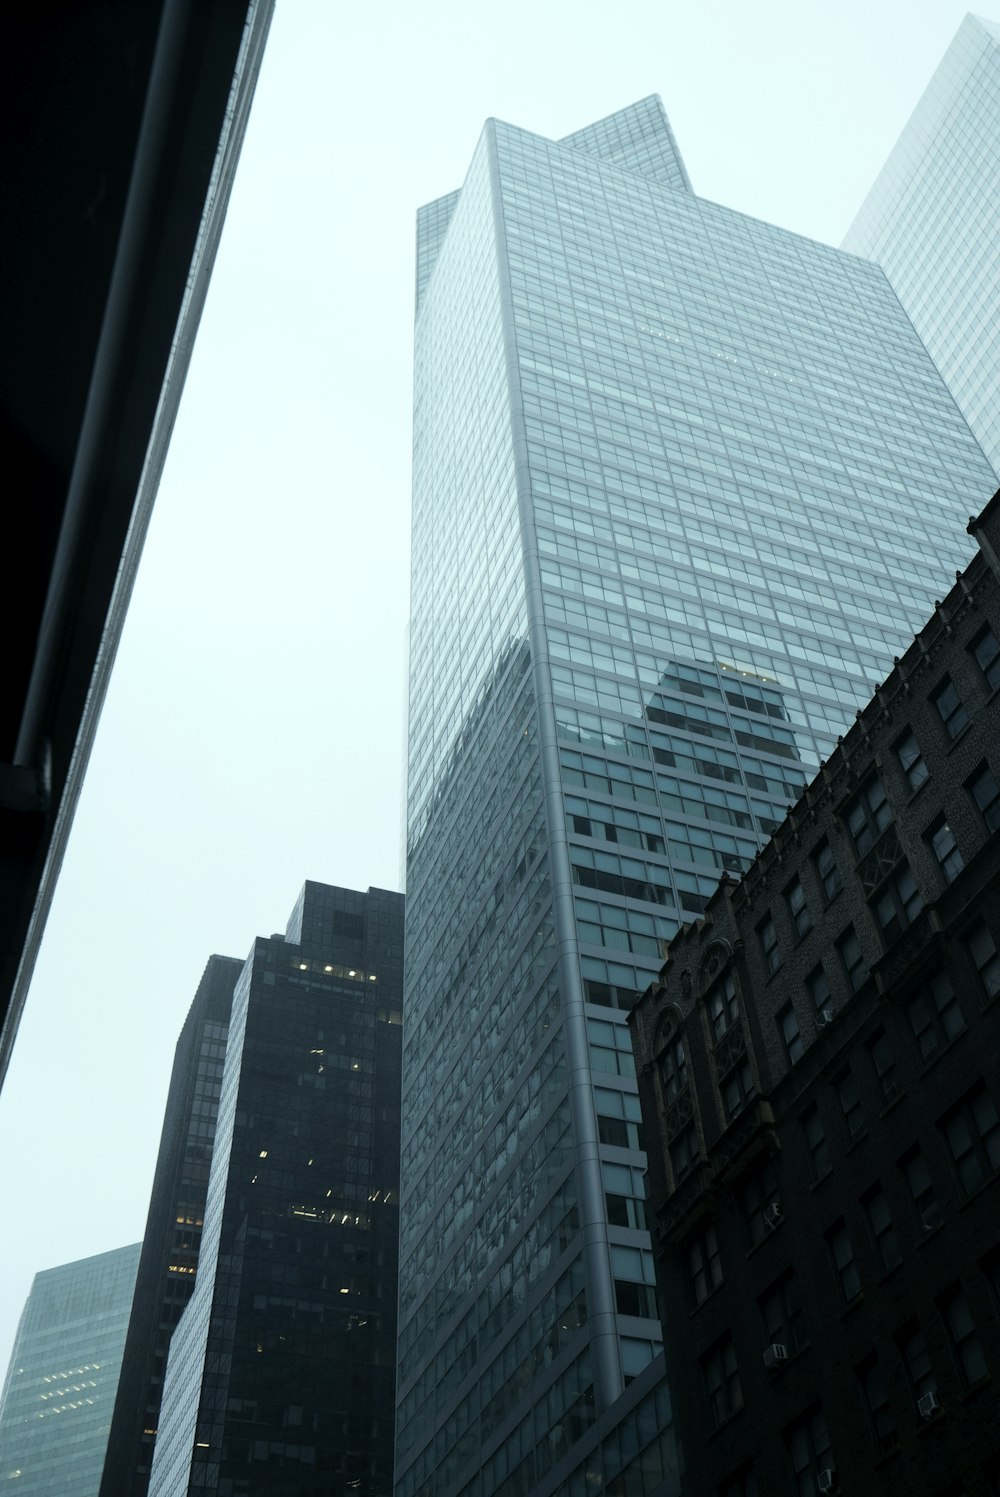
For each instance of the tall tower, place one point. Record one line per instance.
(932, 221)
(56, 1407)
(684, 483)
(280, 1376)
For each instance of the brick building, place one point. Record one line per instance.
(820, 1083)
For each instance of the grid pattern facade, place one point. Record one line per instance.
(658, 464)
(280, 1376)
(60, 1390)
(932, 221)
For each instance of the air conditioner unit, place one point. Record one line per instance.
(928, 1405)
(772, 1214)
(824, 1017)
(774, 1355)
(827, 1480)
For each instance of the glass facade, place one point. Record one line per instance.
(280, 1376)
(684, 483)
(932, 221)
(56, 1408)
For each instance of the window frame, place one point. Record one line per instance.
(954, 717)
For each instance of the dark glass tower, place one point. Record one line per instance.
(684, 483)
(57, 1401)
(167, 1267)
(280, 1376)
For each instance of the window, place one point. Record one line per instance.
(737, 1089)
(935, 1016)
(683, 1152)
(849, 948)
(742, 1483)
(964, 1341)
(635, 1299)
(759, 1192)
(807, 1444)
(827, 870)
(986, 794)
(986, 651)
(913, 1347)
(949, 705)
(921, 1189)
(781, 1314)
(723, 1006)
(868, 815)
(982, 948)
(788, 1024)
(818, 988)
(842, 1256)
(722, 1381)
(972, 1131)
(673, 1070)
(911, 760)
(795, 898)
(898, 904)
(850, 1102)
(883, 1233)
(769, 945)
(945, 849)
(815, 1137)
(884, 1065)
(877, 1406)
(704, 1264)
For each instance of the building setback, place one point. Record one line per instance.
(820, 1082)
(169, 1261)
(60, 1389)
(932, 221)
(661, 451)
(280, 1376)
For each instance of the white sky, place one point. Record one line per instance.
(252, 732)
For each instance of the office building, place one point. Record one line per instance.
(168, 1265)
(661, 451)
(932, 221)
(60, 1390)
(280, 1375)
(818, 1067)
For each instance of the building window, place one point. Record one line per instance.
(673, 1071)
(737, 1089)
(759, 1204)
(884, 1066)
(898, 904)
(818, 988)
(964, 1340)
(972, 1131)
(683, 1152)
(827, 870)
(883, 1233)
(985, 792)
(842, 1256)
(849, 948)
(986, 650)
(986, 960)
(945, 849)
(913, 1345)
(723, 1006)
(868, 815)
(795, 897)
(722, 1381)
(911, 760)
(815, 1137)
(921, 1189)
(935, 1016)
(781, 1314)
(788, 1024)
(807, 1443)
(877, 1405)
(850, 1101)
(742, 1483)
(704, 1265)
(769, 945)
(949, 705)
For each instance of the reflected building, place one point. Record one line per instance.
(56, 1408)
(660, 455)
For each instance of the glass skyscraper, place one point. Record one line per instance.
(932, 221)
(57, 1402)
(684, 483)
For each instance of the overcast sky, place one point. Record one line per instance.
(252, 732)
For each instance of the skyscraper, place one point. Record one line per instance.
(168, 1266)
(280, 1376)
(932, 221)
(60, 1390)
(661, 451)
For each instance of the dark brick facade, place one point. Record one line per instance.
(820, 1086)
